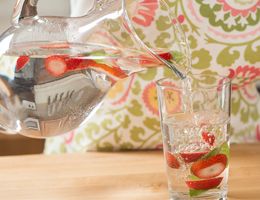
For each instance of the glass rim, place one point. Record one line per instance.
(222, 81)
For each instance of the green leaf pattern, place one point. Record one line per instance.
(251, 55)
(227, 57)
(137, 133)
(137, 88)
(202, 59)
(130, 125)
(135, 108)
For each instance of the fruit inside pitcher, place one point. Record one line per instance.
(60, 84)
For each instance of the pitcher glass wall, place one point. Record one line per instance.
(55, 71)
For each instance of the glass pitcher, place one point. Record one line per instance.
(55, 71)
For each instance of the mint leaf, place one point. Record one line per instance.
(224, 149)
(211, 153)
(177, 56)
(193, 178)
(194, 193)
(98, 53)
(208, 155)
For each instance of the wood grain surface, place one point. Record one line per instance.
(113, 176)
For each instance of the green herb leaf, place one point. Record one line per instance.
(99, 53)
(194, 193)
(193, 178)
(177, 56)
(224, 149)
(211, 153)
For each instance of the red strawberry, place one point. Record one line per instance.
(73, 63)
(172, 160)
(147, 61)
(165, 56)
(86, 63)
(210, 167)
(56, 65)
(208, 137)
(112, 71)
(204, 184)
(119, 72)
(191, 157)
(21, 62)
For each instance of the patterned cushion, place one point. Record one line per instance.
(224, 38)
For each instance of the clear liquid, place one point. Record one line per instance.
(51, 101)
(183, 138)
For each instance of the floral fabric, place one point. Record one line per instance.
(223, 37)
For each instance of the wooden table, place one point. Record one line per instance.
(112, 176)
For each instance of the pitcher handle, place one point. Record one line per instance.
(28, 8)
(24, 9)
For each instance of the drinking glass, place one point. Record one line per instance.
(195, 117)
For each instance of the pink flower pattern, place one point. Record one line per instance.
(145, 12)
(150, 98)
(69, 137)
(243, 75)
(235, 11)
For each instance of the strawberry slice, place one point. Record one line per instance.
(172, 160)
(73, 63)
(85, 64)
(21, 62)
(113, 71)
(165, 56)
(204, 184)
(210, 167)
(56, 65)
(208, 137)
(191, 157)
(147, 61)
